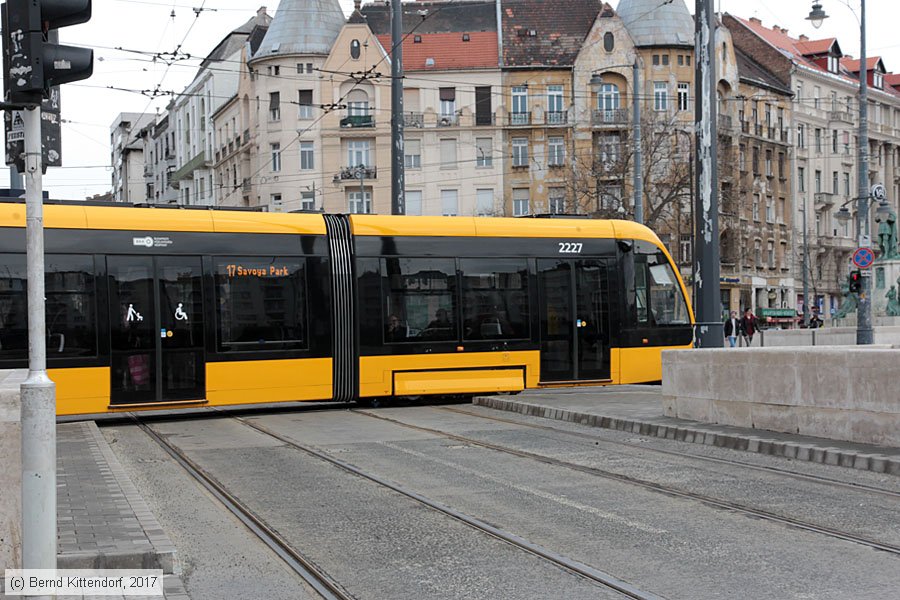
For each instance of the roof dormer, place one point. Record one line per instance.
(875, 70)
(826, 54)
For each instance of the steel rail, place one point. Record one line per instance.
(663, 489)
(566, 563)
(308, 571)
(725, 461)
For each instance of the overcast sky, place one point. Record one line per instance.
(148, 27)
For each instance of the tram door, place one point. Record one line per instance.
(574, 295)
(156, 326)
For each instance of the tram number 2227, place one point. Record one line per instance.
(569, 247)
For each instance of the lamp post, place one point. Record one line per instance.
(864, 333)
(638, 184)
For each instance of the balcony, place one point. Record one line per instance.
(837, 242)
(823, 200)
(448, 120)
(520, 118)
(359, 173)
(840, 116)
(609, 117)
(555, 117)
(149, 171)
(358, 121)
(483, 119)
(725, 122)
(413, 119)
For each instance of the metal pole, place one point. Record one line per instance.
(638, 151)
(398, 200)
(38, 409)
(805, 269)
(864, 333)
(710, 332)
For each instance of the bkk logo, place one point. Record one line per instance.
(152, 242)
(143, 241)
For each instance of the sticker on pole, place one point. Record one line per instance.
(863, 258)
(879, 192)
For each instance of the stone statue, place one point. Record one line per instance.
(893, 307)
(850, 302)
(887, 237)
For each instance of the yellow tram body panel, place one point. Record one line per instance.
(416, 374)
(261, 381)
(81, 390)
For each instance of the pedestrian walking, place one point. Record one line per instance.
(732, 328)
(749, 326)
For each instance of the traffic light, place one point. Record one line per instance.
(32, 64)
(855, 282)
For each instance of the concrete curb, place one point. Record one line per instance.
(161, 556)
(828, 455)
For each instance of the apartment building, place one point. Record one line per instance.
(127, 156)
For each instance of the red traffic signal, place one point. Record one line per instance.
(855, 281)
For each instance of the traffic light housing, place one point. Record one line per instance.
(855, 282)
(32, 64)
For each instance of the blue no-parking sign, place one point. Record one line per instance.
(863, 258)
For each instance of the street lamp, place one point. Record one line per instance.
(864, 333)
(596, 82)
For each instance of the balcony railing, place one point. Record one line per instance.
(413, 119)
(555, 117)
(358, 173)
(840, 115)
(483, 119)
(448, 120)
(520, 118)
(358, 121)
(614, 116)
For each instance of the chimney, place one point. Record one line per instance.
(803, 38)
(756, 20)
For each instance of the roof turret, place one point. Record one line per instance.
(652, 23)
(302, 27)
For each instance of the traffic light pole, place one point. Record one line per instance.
(38, 400)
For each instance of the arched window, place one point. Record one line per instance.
(358, 103)
(609, 41)
(608, 97)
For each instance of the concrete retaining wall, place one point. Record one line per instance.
(827, 336)
(841, 393)
(10, 470)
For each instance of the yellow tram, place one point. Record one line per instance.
(152, 308)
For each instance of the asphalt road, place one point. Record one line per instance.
(382, 545)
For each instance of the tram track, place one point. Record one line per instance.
(657, 487)
(710, 459)
(306, 569)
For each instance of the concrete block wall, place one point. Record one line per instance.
(828, 336)
(10, 470)
(841, 393)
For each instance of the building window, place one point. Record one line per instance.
(818, 178)
(448, 153)
(275, 106)
(358, 104)
(686, 249)
(756, 161)
(609, 41)
(681, 60)
(834, 183)
(520, 202)
(771, 253)
(520, 152)
(782, 210)
(742, 158)
(665, 60)
(519, 105)
(608, 98)
(448, 101)
(275, 201)
(846, 184)
(781, 165)
(801, 135)
(556, 201)
(683, 96)
(801, 179)
(359, 202)
(358, 153)
(276, 157)
(769, 172)
(412, 154)
(878, 80)
(833, 63)
(656, 60)
(307, 156)
(608, 151)
(770, 209)
(304, 101)
(610, 198)
(308, 200)
(484, 152)
(660, 96)
(557, 155)
(413, 202)
(756, 207)
(818, 138)
(554, 101)
(484, 202)
(449, 203)
(834, 141)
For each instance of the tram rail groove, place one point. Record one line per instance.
(557, 559)
(725, 461)
(308, 571)
(657, 487)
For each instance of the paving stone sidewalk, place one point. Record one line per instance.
(638, 409)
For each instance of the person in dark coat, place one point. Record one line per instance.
(732, 329)
(749, 325)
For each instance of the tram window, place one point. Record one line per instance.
(70, 307)
(658, 296)
(421, 300)
(261, 303)
(495, 299)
